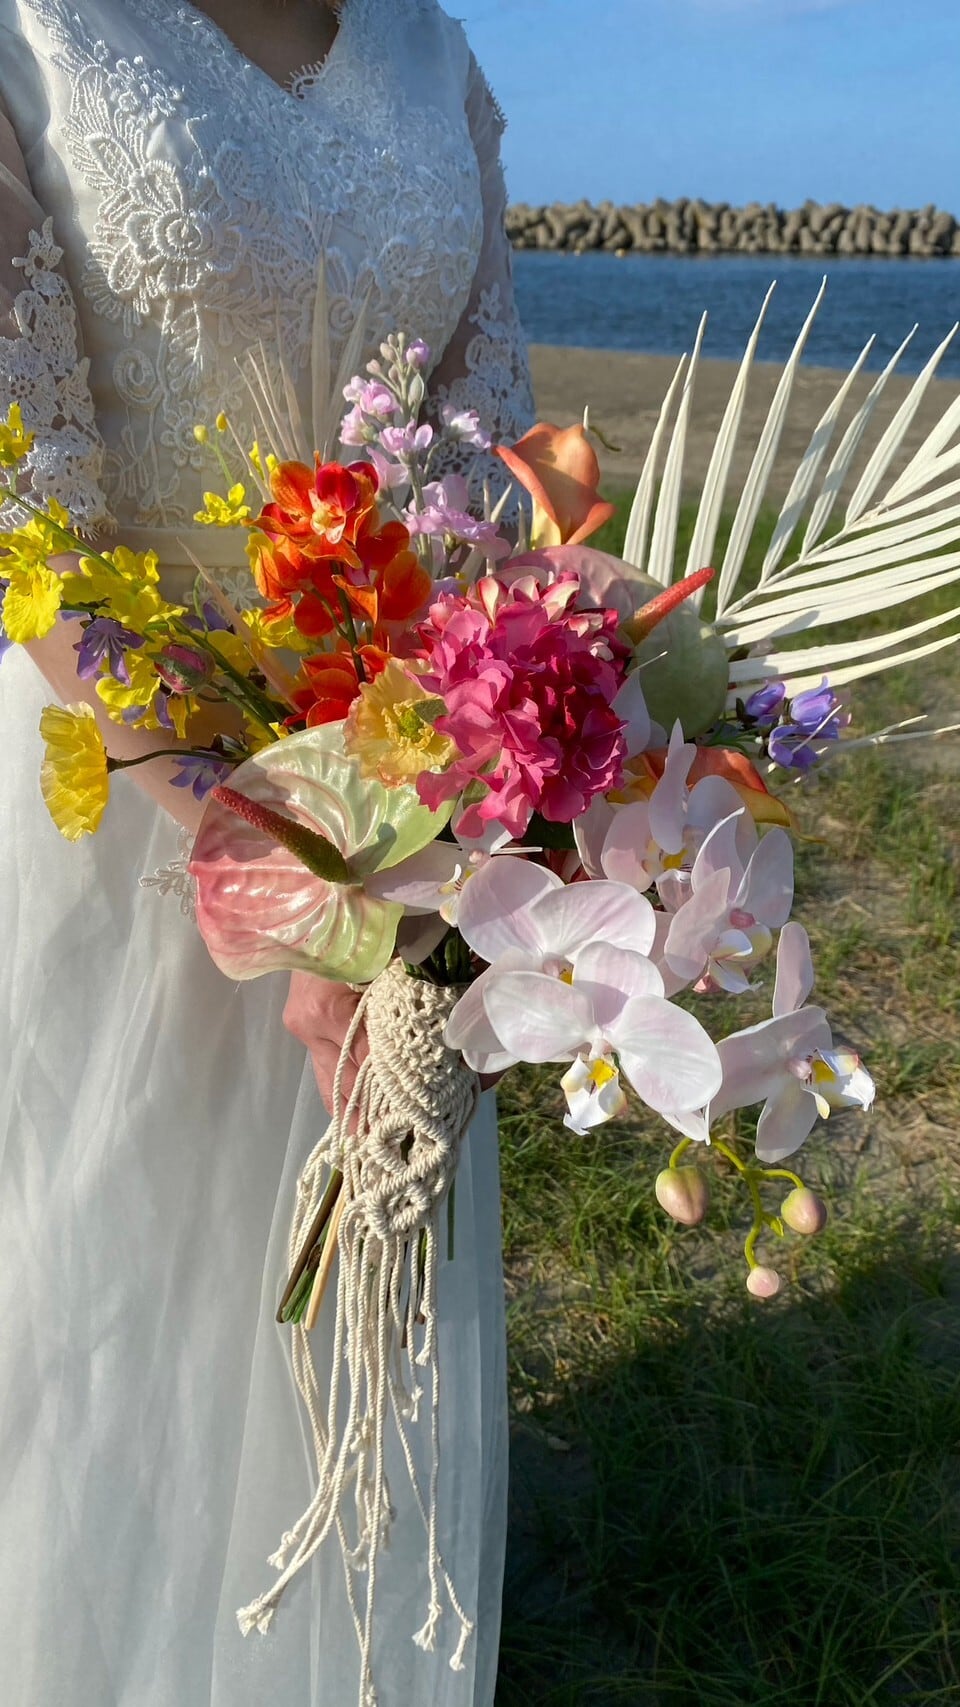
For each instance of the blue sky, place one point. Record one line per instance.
(732, 100)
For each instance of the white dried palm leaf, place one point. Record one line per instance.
(282, 430)
(899, 537)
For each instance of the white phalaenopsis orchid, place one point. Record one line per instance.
(636, 843)
(726, 911)
(432, 881)
(521, 917)
(789, 1062)
(570, 979)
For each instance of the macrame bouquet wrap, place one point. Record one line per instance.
(396, 1141)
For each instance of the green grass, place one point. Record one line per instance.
(738, 1505)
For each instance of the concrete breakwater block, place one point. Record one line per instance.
(688, 227)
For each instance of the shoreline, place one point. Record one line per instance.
(625, 390)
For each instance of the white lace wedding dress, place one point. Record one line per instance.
(163, 207)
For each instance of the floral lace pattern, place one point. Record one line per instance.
(496, 382)
(197, 245)
(40, 369)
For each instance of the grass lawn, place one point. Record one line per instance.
(738, 1504)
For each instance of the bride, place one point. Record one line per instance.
(171, 176)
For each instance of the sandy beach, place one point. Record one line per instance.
(625, 392)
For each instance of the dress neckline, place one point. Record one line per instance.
(313, 71)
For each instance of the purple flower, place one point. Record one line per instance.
(181, 669)
(211, 620)
(105, 641)
(816, 712)
(417, 353)
(464, 426)
(764, 706)
(445, 513)
(408, 441)
(200, 772)
(790, 745)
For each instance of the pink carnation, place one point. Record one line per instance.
(528, 683)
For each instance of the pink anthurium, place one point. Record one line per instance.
(789, 1062)
(559, 468)
(265, 898)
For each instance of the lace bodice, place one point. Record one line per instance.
(182, 203)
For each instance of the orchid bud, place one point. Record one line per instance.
(804, 1211)
(684, 1194)
(763, 1282)
(182, 669)
(417, 354)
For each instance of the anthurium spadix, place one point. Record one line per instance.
(789, 1062)
(260, 907)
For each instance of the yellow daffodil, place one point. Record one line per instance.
(73, 778)
(228, 512)
(15, 441)
(387, 733)
(30, 603)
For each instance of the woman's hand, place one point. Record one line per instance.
(319, 1012)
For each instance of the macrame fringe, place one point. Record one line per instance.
(396, 1140)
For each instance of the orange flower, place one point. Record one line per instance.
(330, 682)
(320, 511)
(559, 469)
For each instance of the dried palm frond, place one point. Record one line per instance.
(898, 539)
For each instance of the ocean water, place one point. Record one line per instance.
(653, 303)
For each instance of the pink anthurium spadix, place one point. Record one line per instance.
(789, 1062)
(260, 906)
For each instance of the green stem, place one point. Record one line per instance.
(352, 635)
(167, 753)
(684, 1145)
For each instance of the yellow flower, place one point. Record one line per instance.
(282, 635)
(387, 732)
(73, 778)
(15, 443)
(31, 603)
(265, 466)
(121, 700)
(38, 539)
(201, 433)
(260, 735)
(226, 512)
(233, 648)
(129, 590)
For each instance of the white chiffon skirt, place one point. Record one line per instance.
(153, 1120)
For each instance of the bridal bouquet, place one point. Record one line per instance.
(517, 793)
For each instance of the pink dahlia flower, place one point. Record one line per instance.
(528, 682)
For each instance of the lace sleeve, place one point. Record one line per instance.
(40, 363)
(485, 366)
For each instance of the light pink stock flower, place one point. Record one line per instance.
(443, 515)
(789, 1062)
(529, 685)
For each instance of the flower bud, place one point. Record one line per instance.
(684, 1194)
(182, 669)
(763, 1282)
(804, 1211)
